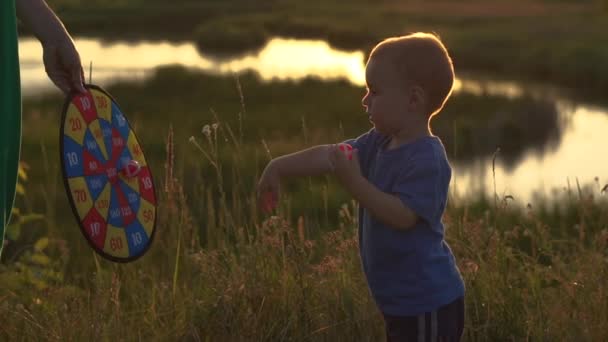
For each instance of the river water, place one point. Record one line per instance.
(574, 154)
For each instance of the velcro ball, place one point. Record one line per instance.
(132, 168)
(347, 150)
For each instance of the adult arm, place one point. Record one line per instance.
(61, 59)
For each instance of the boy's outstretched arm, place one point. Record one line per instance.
(310, 162)
(385, 207)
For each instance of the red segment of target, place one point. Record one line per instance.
(92, 166)
(112, 173)
(146, 187)
(127, 214)
(118, 144)
(95, 227)
(86, 106)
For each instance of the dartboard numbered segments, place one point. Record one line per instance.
(107, 179)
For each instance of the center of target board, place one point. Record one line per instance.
(112, 174)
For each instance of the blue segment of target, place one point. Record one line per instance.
(124, 159)
(106, 129)
(119, 121)
(90, 144)
(133, 197)
(114, 217)
(96, 184)
(72, 157)
(136, 237)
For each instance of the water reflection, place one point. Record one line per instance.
(545, 139)
(281, 59)
(474, 126)
(575, 159)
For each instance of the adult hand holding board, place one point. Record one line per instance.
(62, 64)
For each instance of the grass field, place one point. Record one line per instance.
(219, 270)
(531, 274)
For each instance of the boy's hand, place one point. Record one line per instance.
(347, 171)
(268, 188)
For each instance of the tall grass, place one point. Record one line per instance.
(531, 274)
(221, 271)
(255, 278)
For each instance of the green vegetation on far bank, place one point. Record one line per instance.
(556, 41)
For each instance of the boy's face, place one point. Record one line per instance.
(386, 100)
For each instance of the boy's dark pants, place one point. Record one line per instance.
(446, 324)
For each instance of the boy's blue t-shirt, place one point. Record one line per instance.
(412, 271)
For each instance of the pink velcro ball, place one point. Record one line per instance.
(347, 150)
(132, 168)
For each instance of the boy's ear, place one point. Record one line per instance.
(416, 98)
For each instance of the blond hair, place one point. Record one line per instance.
(421, 59)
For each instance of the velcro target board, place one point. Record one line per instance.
(107, 179)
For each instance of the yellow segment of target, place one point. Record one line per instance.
(116, 242)
(102, 204)
(103, 105)
(81, 196)
(132, 182)
(146, 215)
(95, 129)
(135, 149)
(75, 126)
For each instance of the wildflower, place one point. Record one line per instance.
(329, 265)
(192, 139)
(309, 244)
(470, 267)
(215, 126)
(206, 130)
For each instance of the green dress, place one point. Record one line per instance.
(10, 112)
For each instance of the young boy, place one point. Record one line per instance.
(399, 173)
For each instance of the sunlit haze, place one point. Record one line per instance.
(290, 59)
